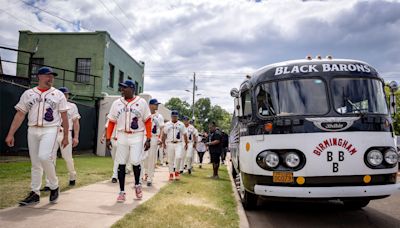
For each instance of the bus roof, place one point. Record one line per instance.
(313, 68)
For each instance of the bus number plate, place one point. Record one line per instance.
(282, 177)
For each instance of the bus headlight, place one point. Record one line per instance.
(292, 160)
(271, 159)
(374, 157)
(391, 156)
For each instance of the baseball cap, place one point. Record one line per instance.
(127, 84)
(46, 70)
(154, 102)
(174, 113)
(64, 89)
(185, 118)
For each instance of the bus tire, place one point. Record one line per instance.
(249, 200)
(356, 204)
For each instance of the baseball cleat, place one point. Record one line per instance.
(138, 191)
(171, 177)
(177, 176)
(54, 195)
(149, 184)
(72, 183)
(181, 171)
(45, 189)
(121, 197)
(114, 180)
(31, 199)
(190, 171)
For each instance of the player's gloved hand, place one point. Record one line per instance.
(108, 144)
(10, 140)
(147, 145)
(75, 142)
(64, 142)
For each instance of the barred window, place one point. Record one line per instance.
(121, 76)
(36, 64)
(82, 69)
(111, 76)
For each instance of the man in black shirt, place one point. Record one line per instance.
(215, 147)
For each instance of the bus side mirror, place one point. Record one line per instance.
(235, 93)
(392, 99)
(237, 109)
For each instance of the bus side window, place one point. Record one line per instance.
(246, 103)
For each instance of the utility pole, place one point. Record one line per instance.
(194, 92)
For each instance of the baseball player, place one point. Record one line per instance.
(66, 152)
(172, 143)
(157, 121)
(131, 116)
(187, 158)
(113, 152)
(47, 109)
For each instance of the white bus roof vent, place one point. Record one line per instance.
(318, 57)
(329, 57)
(308, 57)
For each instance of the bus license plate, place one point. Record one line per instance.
(282, 177)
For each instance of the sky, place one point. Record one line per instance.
(222, 40)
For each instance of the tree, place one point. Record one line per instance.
(204, 113)
(181, 106)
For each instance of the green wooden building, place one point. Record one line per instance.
(88, 63)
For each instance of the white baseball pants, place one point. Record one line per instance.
(150, 161)
(129, 148)
(41, 142)
(113, 155)
(187, 157)
(174, 153)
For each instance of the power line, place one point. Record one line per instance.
(23, 22)
(138, 32)
(54, 15)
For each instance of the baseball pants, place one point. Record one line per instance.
(129, 149)
(66, 153)
(113, 154)
(150, 161)
(41, 143)
(187, 158)
(174, 153)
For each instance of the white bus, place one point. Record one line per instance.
(314, 129)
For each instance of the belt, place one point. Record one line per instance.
(174, 142)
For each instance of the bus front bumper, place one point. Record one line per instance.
(327, 192)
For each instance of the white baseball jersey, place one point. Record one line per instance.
(73, 114)
(192, 133)
(157, 122)
(174, 131)
(129, 116)
(43, 108)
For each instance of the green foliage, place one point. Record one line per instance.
(204, 112)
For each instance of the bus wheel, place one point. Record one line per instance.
(249, 200)
(356, 203)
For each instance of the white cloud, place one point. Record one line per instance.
(223, 40)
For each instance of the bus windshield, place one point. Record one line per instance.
(292, 97)
(358, 96)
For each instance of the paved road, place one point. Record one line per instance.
(378, 213)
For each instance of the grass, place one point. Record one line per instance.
(194, 201)
(15, 176)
